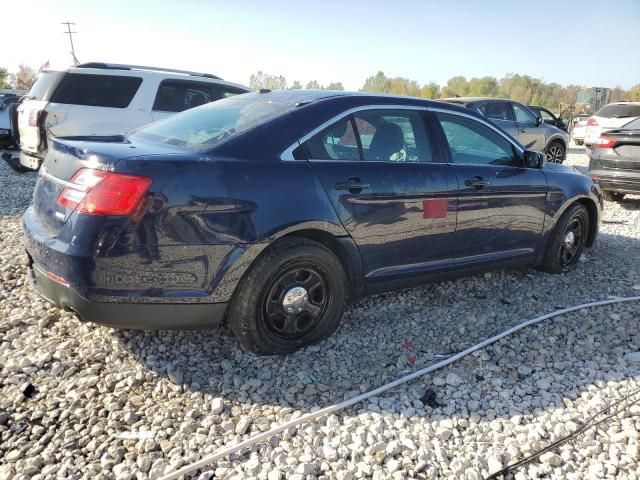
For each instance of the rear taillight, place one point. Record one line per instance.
(104, 193)
(605, 142)
(33, 117)
(592, 122)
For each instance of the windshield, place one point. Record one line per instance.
(203, 127)
(619, 110)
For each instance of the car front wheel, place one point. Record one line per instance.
(555, 152)
(293, 295)
(567, 240)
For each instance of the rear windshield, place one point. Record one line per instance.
(203, 127)
(633, 125)
(114, 91)
(619, 110)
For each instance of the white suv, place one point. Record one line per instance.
(107, 99)
(609, 117)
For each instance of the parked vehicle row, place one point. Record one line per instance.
(521, 123)
(610, 117)
(181, 223)
(107, 99)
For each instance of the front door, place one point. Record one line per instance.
(396, 202)
(530, 134)
(501, 204)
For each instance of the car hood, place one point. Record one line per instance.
(558, 167)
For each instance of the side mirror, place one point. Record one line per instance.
(533, 159)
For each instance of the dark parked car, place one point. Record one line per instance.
(615, 161)
(548, 117)
(275, 209)
(521, 123)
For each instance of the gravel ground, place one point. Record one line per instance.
(82, 401)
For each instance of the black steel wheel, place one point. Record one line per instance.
(295, 302)
(293, 295)
(573, 239)
(567, 240)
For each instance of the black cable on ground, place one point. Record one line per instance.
(585, 426)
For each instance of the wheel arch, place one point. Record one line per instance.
(342, 247)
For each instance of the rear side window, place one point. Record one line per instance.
(471, 142)
(96, 90)
(180, 95)
(619, 110)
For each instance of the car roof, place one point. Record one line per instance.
(102, 68)
(473, 99)
(303, 97)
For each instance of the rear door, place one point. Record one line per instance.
(501, 205)
(394, 196)
(529, 133)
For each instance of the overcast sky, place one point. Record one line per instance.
(558, 41)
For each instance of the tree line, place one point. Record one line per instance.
(23, 79)
(521, 88)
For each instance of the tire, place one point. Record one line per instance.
(579, 142)
(555, 152)
(556, 258)
(612, 196)
(299, 274)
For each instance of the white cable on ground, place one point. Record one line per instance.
(220, 454)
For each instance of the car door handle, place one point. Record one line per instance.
(351, 185)
(476, 182)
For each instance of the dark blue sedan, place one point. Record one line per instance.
(272, 210)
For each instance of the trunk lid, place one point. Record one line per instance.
(66, 156)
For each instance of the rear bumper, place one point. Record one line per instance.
(616, 183)
(139, 316)
(30, 162)
(619, 185)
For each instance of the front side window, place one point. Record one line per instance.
(523, 114)
(495, 110)
(546, 116)
(471, 142)
(114, 91)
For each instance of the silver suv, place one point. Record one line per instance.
(521, 123)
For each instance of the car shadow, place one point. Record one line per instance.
(384, 337)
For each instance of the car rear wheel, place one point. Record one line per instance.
(292, 296)
(555, 152)
(613, 196)
(567, 240)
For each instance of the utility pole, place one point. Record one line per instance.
(70, 33)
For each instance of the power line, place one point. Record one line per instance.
(70, 33)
